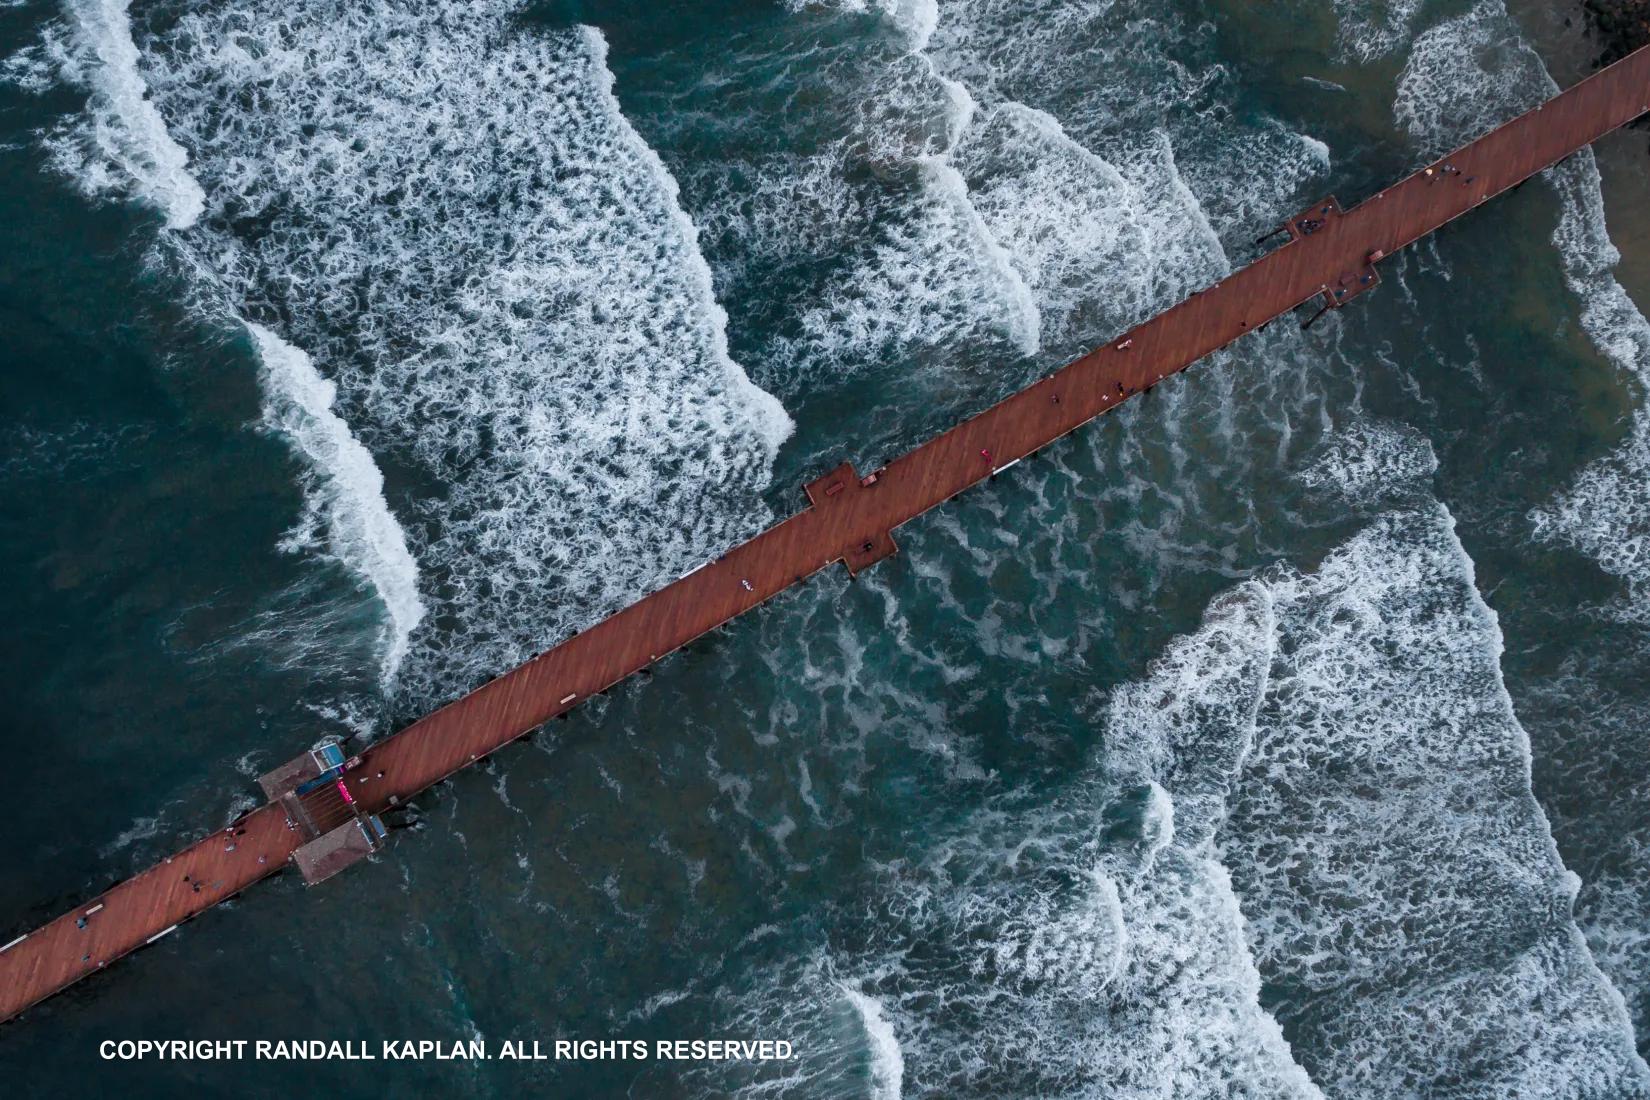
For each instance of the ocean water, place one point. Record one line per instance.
(1281, 735)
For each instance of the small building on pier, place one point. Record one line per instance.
(337, 832)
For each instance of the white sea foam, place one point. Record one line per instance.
(1023, 320)
(122, 146)
(916, 19)
(1467, 75)
(1464, 75)
(887, 1064)
(1092, 944)
(1045, 54)
(1406, 902)
(1070, 222)
(1189, 725)
(34, 68)
(345, 514)
(928, 270)
(1066, 940)
(1341, 742)
(446, 207)
(1621, 947)
(1372, 462)
(144, 828)
(1091, 949)
(1606, 513)
(933, 273)
(1086, 231)
(1371, 29)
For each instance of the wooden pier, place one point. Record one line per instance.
(1330, 256)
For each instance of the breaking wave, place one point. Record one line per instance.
(1605, 513)
(887, 1062)
(1307, 855)
(446, 208)
(1084, 947)
(122, 147)
(1307, 858)
(1409, 911)
(915, 19)
(344, 512)
(450, 207)
(936, 197)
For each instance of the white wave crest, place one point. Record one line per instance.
(1061, 226)
(887, 1064)
(916, 19)
(345, 512)
(1407, 904)
(445, 205)
(1189, 725)
(1468, 73)
(1097, 246)
(1093, 944)
(1342, 744)
(1606, 513)
(123, 147)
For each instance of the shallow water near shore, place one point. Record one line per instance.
(1280, 734)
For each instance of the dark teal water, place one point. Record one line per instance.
(1281, 735)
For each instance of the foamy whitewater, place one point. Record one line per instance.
(1130, 971)
(1338, 744)
(1176, 762)
(1324, 790)
(503, 288)
(1409, 912)
(121, 146)
(887, 1061)
(344, 511)
(1097, 947)
(508, 292)
(1025, 219)
(1606, 513)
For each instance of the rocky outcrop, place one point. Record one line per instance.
(1622, 26)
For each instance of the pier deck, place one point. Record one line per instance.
(1330, 255)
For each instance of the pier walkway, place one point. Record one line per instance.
(1329, 256)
